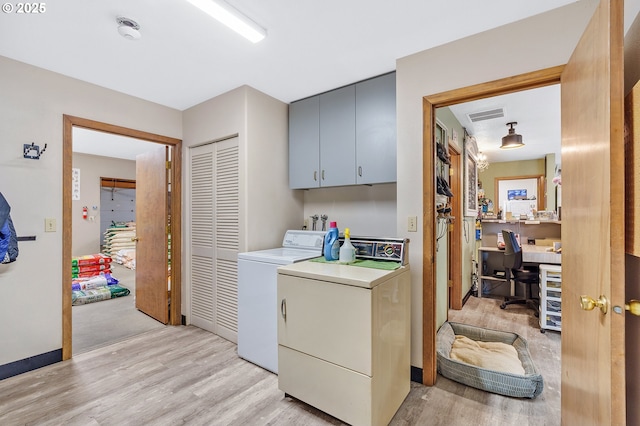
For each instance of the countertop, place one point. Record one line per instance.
(522, 221)
(342, 274)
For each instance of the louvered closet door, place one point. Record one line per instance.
(214, 238)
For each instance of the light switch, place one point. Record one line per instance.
(412, 225)
(49, 224)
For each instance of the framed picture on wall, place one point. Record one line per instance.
(440, 133)
(470, 182)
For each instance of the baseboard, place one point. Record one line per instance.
(416, 374)
(31, 363)
(467, 296)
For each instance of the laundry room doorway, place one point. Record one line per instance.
(169, 197)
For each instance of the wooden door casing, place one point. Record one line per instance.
(430, 103)
(68, 122)
(632, 239)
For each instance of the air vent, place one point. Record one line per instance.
(486, 115)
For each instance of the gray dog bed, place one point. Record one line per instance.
(528, 385)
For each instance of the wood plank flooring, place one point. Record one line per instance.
(185, 375)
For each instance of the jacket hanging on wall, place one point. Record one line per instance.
(8, 237)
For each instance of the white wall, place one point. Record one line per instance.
(271, 206)
(535, 43)
(267, 206)
(368, 211)
(86, 237)
(32, 104)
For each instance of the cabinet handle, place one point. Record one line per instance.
(360, 171)
(283, 308)
(315, 175)
(322, 174)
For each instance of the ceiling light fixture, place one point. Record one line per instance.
(232, 18)
(482, 163)
(128, 28)
(512, 140)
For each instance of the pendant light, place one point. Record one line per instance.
(482, 163)
(512, 140)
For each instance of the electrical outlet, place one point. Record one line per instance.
(306, 224)
(412, 224)
(49, 224)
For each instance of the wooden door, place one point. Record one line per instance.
(152, 200)
(593, 364)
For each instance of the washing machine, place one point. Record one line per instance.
(257, 294)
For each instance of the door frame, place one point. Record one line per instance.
(175, 294)
(430, 103)
(454, 273)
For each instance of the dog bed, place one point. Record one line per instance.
(527, 385)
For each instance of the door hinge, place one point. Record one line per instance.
(168, 229)
(450, 283)
(168, 165)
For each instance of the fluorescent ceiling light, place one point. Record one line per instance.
(232, 18)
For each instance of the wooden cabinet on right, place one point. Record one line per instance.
(345, 136)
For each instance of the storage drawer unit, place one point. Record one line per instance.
(550, 297)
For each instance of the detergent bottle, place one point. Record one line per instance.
(331, 242)
(347, 251)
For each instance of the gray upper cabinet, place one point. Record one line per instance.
(344, 137)
(338, 137)
(376, 130)
(304, 143)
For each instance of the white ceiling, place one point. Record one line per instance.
(537, 113)
(184, 57)
(108, 145)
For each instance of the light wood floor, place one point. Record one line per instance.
(184, 375)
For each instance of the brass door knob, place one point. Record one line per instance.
(588, 304)
(633, 307)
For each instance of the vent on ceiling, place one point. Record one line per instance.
(486, 115)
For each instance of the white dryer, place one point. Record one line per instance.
(257, 294)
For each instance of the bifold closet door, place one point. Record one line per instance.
(213, 235)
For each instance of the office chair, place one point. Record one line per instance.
(513, 268)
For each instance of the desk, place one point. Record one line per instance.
(490, 261)
(532, 254)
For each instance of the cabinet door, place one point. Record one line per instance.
(338, 137)
(376, 130)
(304, 143)
(326, 320)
